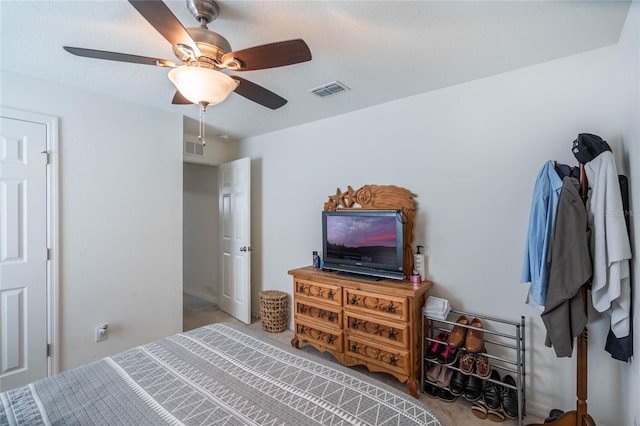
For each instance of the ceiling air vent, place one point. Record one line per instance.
(194, 148)
(329, 89)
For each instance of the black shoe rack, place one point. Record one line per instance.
(504, 343)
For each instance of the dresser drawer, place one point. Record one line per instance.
(315, 333)
(391, 359)
(326, 293)
(386, 332)
(383, 305)
(330, 316)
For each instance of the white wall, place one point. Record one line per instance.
(120, 216)
(471, 153)
(629, 92)
(200, 231)
(216, 150)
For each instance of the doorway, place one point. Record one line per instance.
(217, 236)
(201, 254)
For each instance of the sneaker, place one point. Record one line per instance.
(483, 366)
(509, 398)
(449, 356)
(436, 348)
(458, 383)
(431, 390)
(446, 396)
(492, 394)
(467, 363)
(473, 391)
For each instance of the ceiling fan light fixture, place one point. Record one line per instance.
(202, 85)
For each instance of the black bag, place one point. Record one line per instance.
(588, 146)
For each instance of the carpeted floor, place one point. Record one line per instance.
(194, 303)
(456, 413)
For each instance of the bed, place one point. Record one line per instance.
(217, 374)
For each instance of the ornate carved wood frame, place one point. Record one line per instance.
(381, 197)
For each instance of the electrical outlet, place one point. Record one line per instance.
(102, 332)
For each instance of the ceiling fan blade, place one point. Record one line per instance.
(179, 99)
(270, 55)
(122, 57)
(258, 94)
(165, 22)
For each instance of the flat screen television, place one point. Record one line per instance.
(363, 242)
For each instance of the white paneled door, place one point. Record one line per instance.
(23, 252)
(234, 189)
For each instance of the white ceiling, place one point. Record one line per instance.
(382, 50)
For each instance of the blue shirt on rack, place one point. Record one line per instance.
(543, 214)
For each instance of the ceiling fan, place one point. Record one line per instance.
(204, 55)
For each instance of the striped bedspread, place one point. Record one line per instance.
(215, 375)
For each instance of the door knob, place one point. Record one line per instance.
(245, 249)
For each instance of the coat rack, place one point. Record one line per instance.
(579, 416)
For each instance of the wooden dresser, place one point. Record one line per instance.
(373, 323)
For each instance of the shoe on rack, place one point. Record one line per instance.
(449, 356)
(458, 383)
(433, 371)
(492, 394)
(473, 390)
(437, 347)
(483, 366)
(444, 378)
(431, 390)
(458, 334)
(446, 396)
(509, 398)
(474, 341)
(467, 363)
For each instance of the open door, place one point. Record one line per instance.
(23, 250)
(234, 189)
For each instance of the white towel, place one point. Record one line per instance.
(610, 248)
(439, 315)
(436, 307)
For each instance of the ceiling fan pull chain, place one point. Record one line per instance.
(203, 107)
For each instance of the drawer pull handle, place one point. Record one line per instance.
(354, 300)
(330, 294)
(331, 338)
(302, 309)
(354, 323)
(391, 308)
(332, 316)
(301, 288)
(392, 334)
(393, 360)
(354, 347)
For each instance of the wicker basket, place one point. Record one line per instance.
(274, 308)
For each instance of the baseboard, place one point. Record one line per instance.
(201, 295)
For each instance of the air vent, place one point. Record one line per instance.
(194, 148)
(329, 89)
